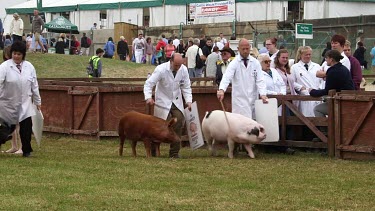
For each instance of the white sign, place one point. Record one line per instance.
(212, 9)
(266, 115)
(193, 126)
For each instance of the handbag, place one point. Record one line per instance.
(198, 61)
(159, 54)
(133, 58)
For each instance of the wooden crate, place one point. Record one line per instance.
(354, 121)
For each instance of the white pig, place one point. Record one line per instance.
(242, 130)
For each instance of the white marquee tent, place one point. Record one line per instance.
(84, 13)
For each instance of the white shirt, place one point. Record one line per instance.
(176, 42)
(224, 41)
(190, 55)
(16, 27)
(169, 89)
(247, 82)
(275, 85)
(219, 45)
(138, 44)
(17, 90)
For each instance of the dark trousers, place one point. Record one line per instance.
(16, 38)
(174, 148)
(25, 134)
(176, 113)
(122, 57)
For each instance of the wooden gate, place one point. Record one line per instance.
(355, 120)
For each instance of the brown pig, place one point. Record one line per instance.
(141, 127)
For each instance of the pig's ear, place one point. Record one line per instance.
(172, 122)
(254, 131)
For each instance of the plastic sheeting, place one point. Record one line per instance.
(155, 18)
(169, 15)
(336, 9)
(265, 10)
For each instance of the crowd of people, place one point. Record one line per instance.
(253, 74)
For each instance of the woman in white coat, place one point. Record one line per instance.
(304, 73)
(172, 82)
(274, 82)
(19, 88)
(245, 74)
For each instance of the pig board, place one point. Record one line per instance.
(193, 126)
(266, 115)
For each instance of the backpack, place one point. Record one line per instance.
(88, 42)
(198, 61)
(90, 67)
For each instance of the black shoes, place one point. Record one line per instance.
(26, 154)
(174, 156)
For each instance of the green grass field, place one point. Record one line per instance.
(71, 174)
(75, 174)
(69, 66)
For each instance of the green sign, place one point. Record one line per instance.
(304, 31)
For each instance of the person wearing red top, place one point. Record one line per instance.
(169, 49)
(159, 47)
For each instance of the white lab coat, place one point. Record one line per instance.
(246, 84)
(18, 90)
(275, 84)
(273, 57)
(307, 79)
(168, 89)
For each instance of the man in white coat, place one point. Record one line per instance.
(304, 73)
(172, 81)
(245, 74)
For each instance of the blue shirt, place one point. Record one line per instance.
(109, 48)
(373, 53)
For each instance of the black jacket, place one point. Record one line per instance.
(338, 78)
(122, 48)
(60, 47)
(84, 43)
(359, 54)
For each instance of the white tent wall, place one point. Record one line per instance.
(155, 18)
(350, 9)
(315, 9)
(85, 19)
(174, 14)
(336, 9)
(6, 3)
(265, 10)
(135, 15)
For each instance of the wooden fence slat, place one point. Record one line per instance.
(85, 111)
(359, 123)
(306, 121)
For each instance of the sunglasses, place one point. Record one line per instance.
(267, 61)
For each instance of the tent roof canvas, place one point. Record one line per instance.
(61, 25)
